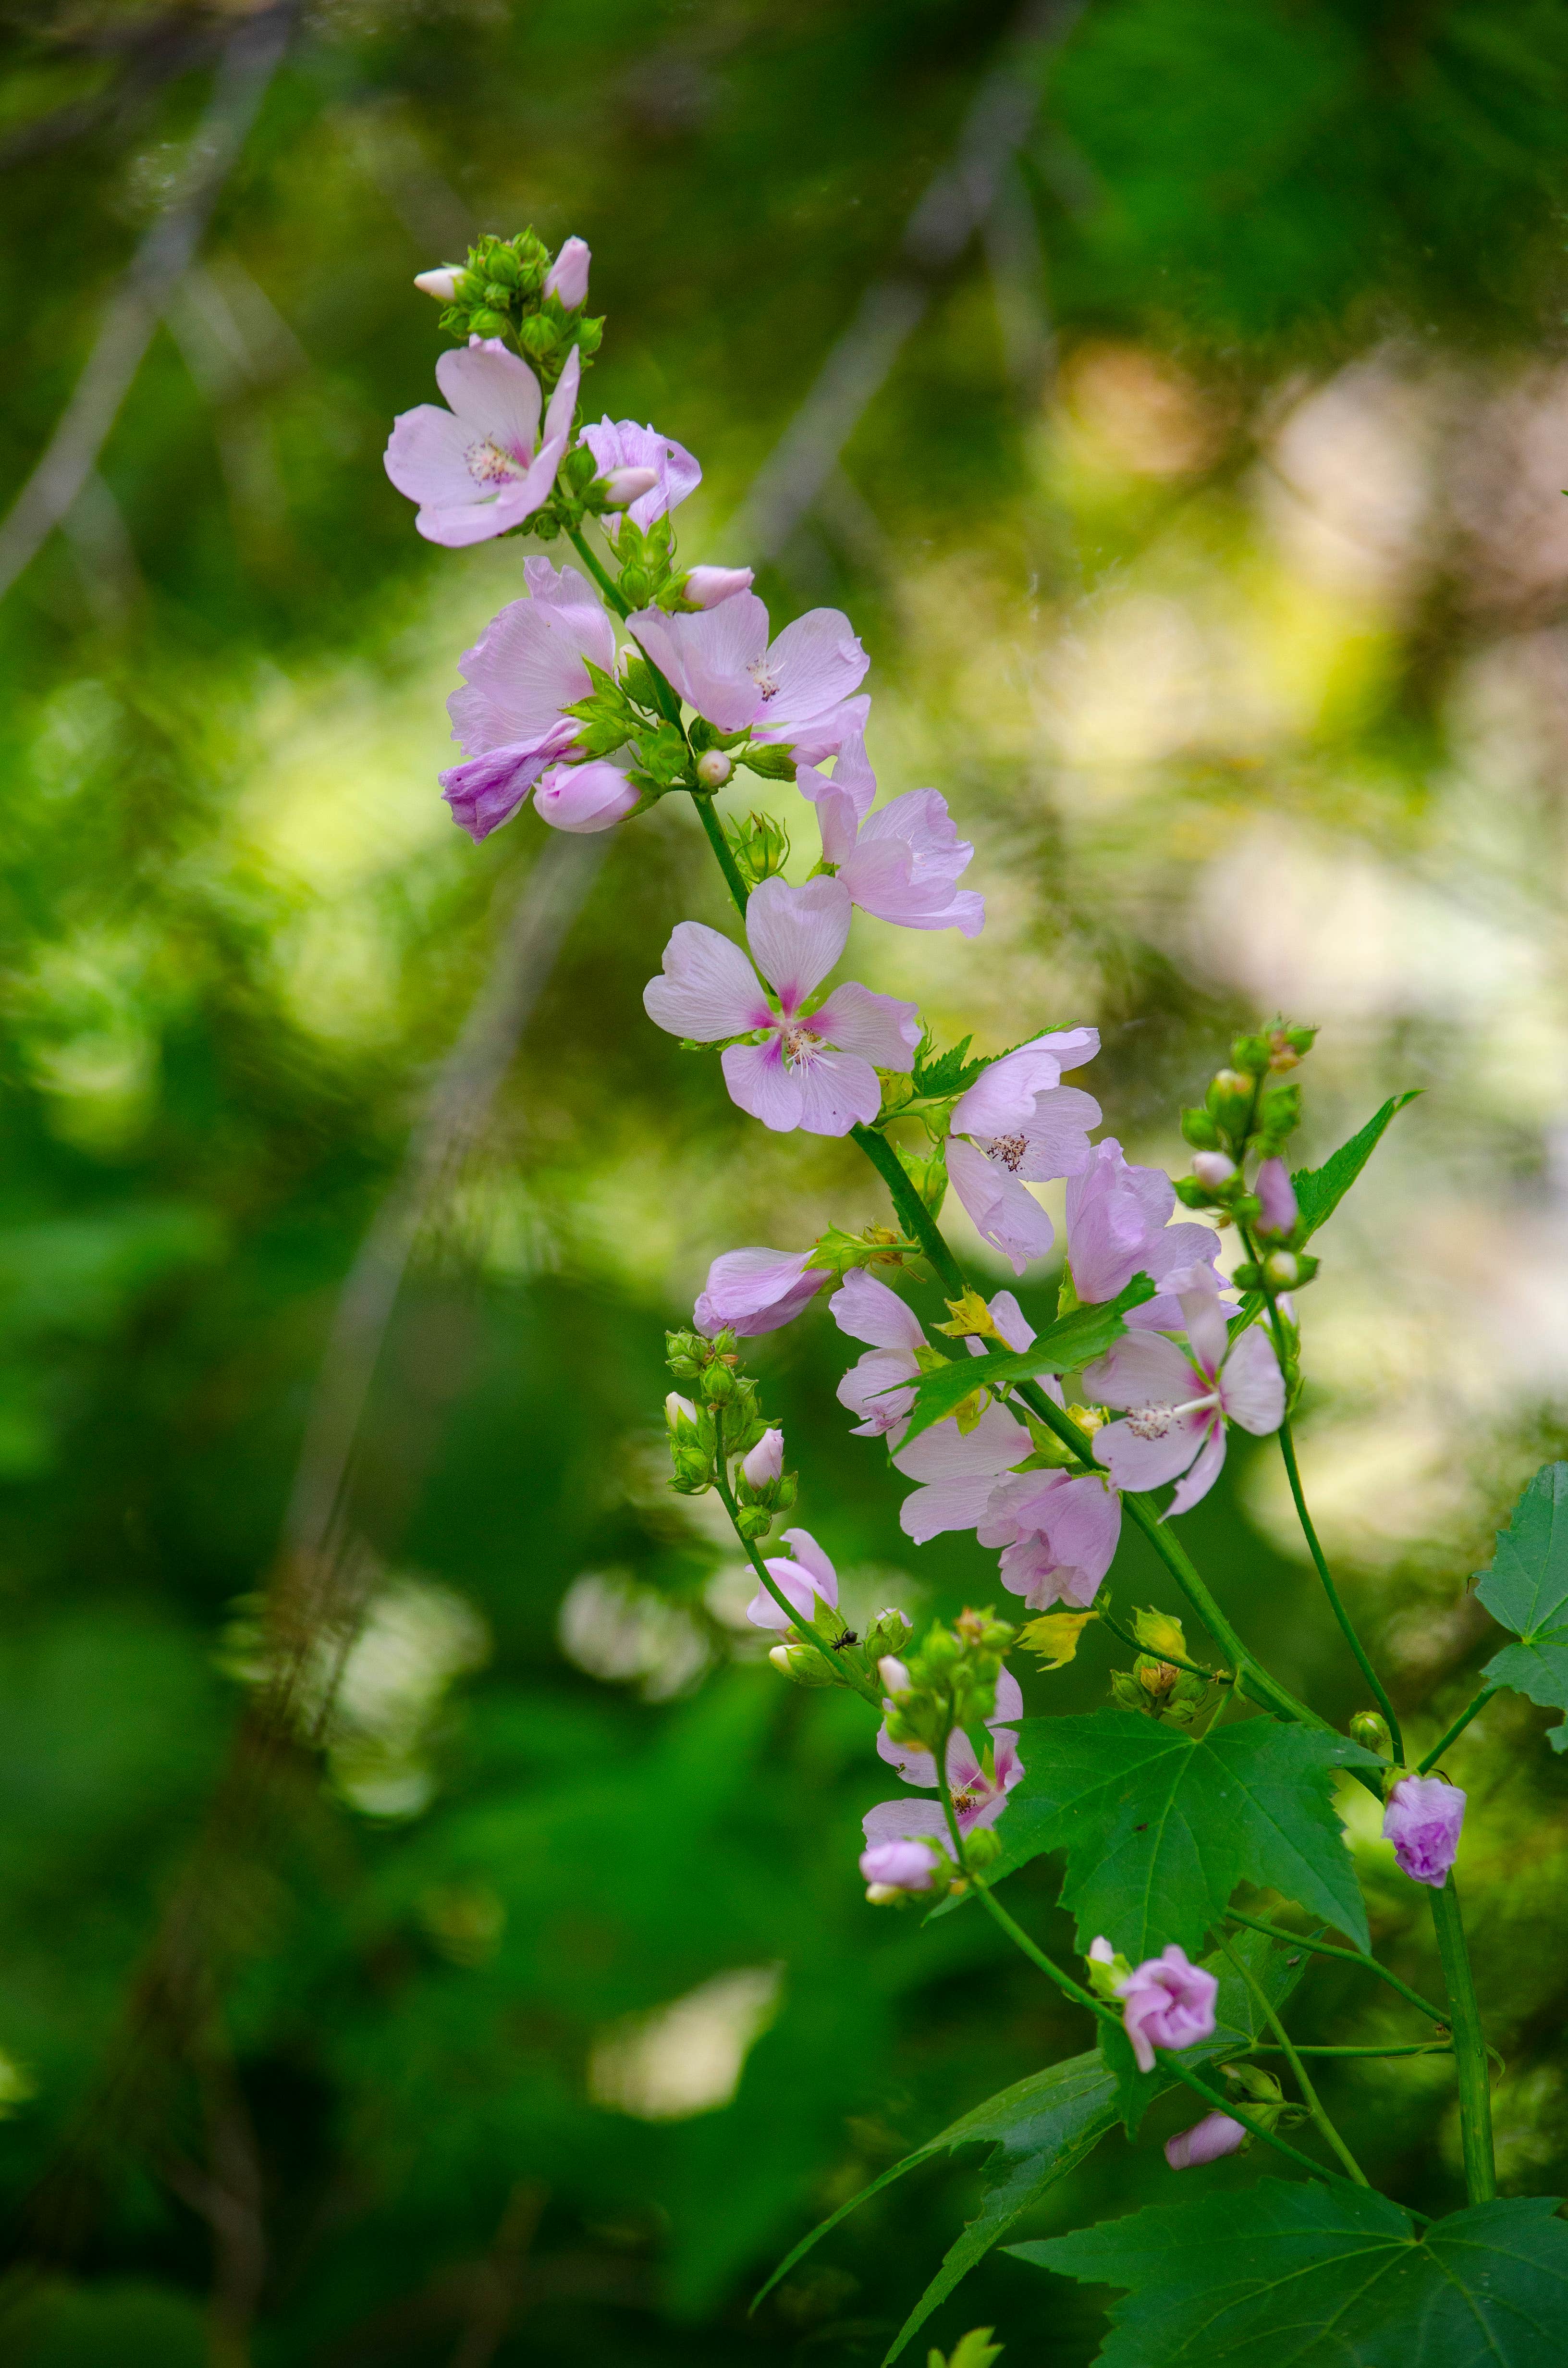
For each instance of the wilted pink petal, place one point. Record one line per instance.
(487, 791)
(1207, 2141)
(1167, 2002)
(1423, 1819)
(756, 1291)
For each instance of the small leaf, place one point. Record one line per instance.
(1054, 1636)
(1525, 1588)
(1319, 1190)
(1325, 2277)
(975, 2349)
(1077, 1340)
(950, 1073)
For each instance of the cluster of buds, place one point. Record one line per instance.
(950, 1682)
(760, 844)
(887, 1636)
(512, 288)
(723, 1401)
(1159, 1687)
(1248, 1114)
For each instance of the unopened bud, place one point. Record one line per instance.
(1282, 1269)
(441, 283)
(677, 1409)
(567, 277)
(1212, 1168)
(753, 1521)
(705, 586)
(801, 1664)
(488, 324)
(984, 1847)
(714, 769)
(893, 1674)
(765, 1461)
(621, 487)
(1199, 1129)
(1277, 1210)
(1370, 1730)
(1160, 1632)
(717, 1384)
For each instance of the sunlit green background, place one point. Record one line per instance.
(1209, 540)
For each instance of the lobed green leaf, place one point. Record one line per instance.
(1525, 1588)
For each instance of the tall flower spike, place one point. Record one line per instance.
(1181, 1403)
(900, 862)
(1018, 1125)
(815, 1070)
(474, 470)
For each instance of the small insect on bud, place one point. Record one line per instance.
(441, 283)
(714, 768)
(1282, 1269)
(706, 587)
(624, 486)
(1213, 1168)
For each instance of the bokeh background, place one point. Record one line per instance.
(427, 1932)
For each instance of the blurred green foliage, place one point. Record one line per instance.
(368, 2008)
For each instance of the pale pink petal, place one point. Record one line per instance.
(816, 662)
(495, 393)
(852, 779)
(916, 1766)
(1001, 1099)
(812, 1560)
(707, 990)
(594, 796)
(756, 1291)
(870, 1389)
(759, 1084)
(945, 1452)
(1143, 1370)
(426, 457)
(708, 656)
(1252, 1389)
(527, 664)
(1072, 1046)
(964, 1771)
(1202, 1474)
(943, 1505)
(1056, 1138)
(518, 499)
(623, 444)
(796, 935)
(1135, 1462)
(1004, 1212)
(564, 402)
(1203, 1321)
(836, 820)
(905, 1820)
(1008, 1318)
(868, 1311)
(879, 1027)
(837, 1090)
(824, 735)
(488, 791)
(1009, 1706)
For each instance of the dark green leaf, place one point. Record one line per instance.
(1076, 1340)
(1525, 1588)
(1319, 1190)
(950, 1073)
(1159, 1830)
(1042, 2128)
(1325, 2278)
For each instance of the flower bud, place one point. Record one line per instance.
(718, 1385)
(753, 1521)
(621, 487)
(679, 1410)
(1250, 1054)
(984, 1847)
(1160, 1632)
(714, 769)
(1278, 1211)
(567, 279)
(1213, 1168)
(1126, 1692)
(705, 586)
(1200, 1130)
(893, 1674)
(1207, 2141)
(1282, 1269)
(1370, 1730)
(487, 325)
(801, 1664)
(1230, 1099)
(441, 283)
(765, 1461)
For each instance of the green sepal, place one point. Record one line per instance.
(773, 764)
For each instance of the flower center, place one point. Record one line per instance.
(1154, 1421)
(488, 466)
(798, 1040)
(762, 674)
(1009, 1149)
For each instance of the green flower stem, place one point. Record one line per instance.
(1346, 1956)
(1252, 1677)
(1457, 1728)
(1170, 2063)
(1469, 2046)
(1314, 2102)
(842, 1676)
(726, 861)
(1319, 1561)
(1418, 2047)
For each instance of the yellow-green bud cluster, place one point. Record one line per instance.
(1246, 1109)
(952, 1680)
(719, 1394)
(500, 293)
(1160, 1690)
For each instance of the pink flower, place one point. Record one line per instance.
(766, 1462)
(958, 1472)
(594, 796)
(900, 862)
(526, 666)
(1207, 2141)
(723, 664)
(750, 1292)
(621, 444)
(868, 1310)
(979, 1786)
(815, 1070)
(1423, 1820)
(567, 277)
(1165, 2002)
(1060, 1535)
(808, 1580)
(1119, 1226)
(473, 469)
(1018, 1125)
(1181, 1403)
(706, 587)
(917, 1766)
(891, 1867)
(1275, 1190)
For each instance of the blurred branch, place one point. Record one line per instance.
(980, 176)
(249, 61)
